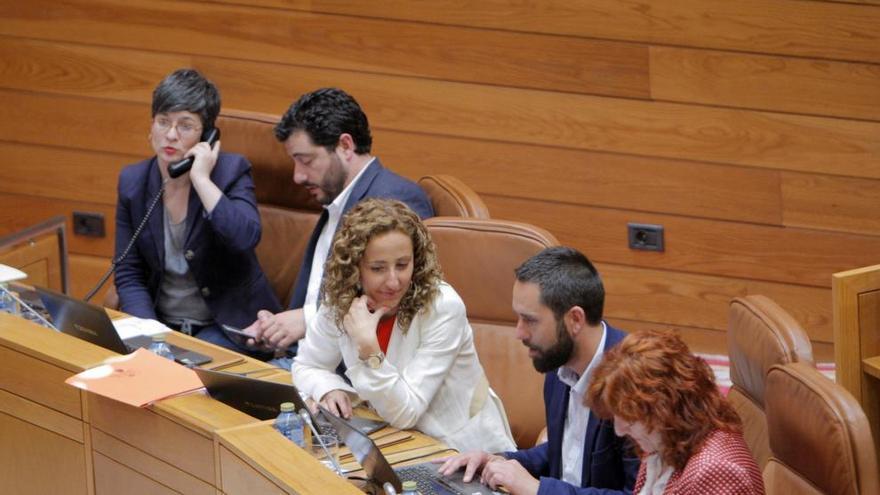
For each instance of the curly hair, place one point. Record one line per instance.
(652, 377)
(369, 218)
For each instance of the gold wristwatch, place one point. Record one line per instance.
(374, 360)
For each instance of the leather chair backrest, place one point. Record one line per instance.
(478, 257)
(760, 334)
(451, 197)
(287, 211)
(820, 439)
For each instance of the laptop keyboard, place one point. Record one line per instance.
(425, 477)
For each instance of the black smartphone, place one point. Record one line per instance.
(176, 169)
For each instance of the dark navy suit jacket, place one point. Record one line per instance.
(375, 182)
(609, 467)
(219, 248)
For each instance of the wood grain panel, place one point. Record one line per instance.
(142, 465)
(18, 212)
(157, 436)
(836, 31)
(41, 416)
(831, 203)
(672, 186)
(75, 69)
(732, 249)
(758, 139)
(597, 179)
(27, 450)
(112, 478)
(85, 272)
(680, 299)
(76, 175)
(351, 43)
(75, 122)
(670, 130)
(39, 382)
(818, 87)
(707, 340)
(39, 257)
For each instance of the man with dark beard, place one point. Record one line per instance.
(558, 297)
(327, 136)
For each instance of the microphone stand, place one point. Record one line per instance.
(134, 237)
(308, 419)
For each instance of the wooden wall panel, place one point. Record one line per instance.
(670, 130)
(350, 43)
(732, 249)
(758, 139)
(792, 27)
(668, 297)
(85, 272)
(831, 203)
(785, 84)
(76, 175)
(74, 122)
(600, 179)
(18, 212)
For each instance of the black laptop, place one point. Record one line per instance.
(426, 474)
(262, 399)
(91, 323)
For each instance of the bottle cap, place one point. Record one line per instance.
(287, 407)
(159, 337)
(409, 486)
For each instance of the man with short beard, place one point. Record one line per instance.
(558, 297)
(327, 136)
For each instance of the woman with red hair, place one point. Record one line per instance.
(665, 399)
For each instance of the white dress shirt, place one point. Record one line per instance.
(575, 431)
(325, 241)
(427, 381)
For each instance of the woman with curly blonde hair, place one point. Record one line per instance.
(401, 332)
(665, 399)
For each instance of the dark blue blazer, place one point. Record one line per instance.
(610, 466)
(376, 182)
(219, 247)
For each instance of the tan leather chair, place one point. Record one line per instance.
(451, 197)
(760, 334)
(287, 211)
(820, 439)
(478, 257)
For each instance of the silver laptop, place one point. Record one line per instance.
(91, 323)
(426, 476)
(262, 399)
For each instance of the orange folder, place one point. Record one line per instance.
(137, 379)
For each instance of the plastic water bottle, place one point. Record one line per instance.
(160, 348)
(7, 303)
(289, 424)
(410, 488)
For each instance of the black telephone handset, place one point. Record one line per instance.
(177, 169)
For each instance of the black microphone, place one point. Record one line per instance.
(181, 167)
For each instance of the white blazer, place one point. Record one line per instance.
(427, 381)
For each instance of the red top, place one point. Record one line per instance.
(383, 332)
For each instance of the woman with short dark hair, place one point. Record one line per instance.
(193, 267)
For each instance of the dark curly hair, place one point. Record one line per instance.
(652, 377)
(369, 218)
(325, 114)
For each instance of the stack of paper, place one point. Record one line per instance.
(138, 379)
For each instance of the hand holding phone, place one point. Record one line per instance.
(176, 169)
(241, 334)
